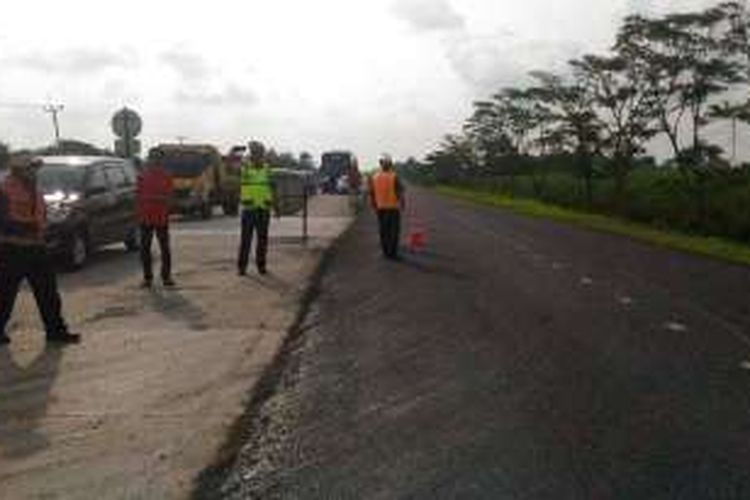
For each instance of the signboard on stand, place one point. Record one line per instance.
(127, 125)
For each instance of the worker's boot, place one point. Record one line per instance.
(64, 338)
(4, 339)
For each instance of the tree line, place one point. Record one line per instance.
(669, 76)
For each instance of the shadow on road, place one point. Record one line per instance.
(24, 397)
(427, 263)
(271, 282)
(173, 305)
(196, 218)
(105, 266)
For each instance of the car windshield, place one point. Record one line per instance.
(187, 164)
(52, 178)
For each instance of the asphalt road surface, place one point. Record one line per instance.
(514, 358)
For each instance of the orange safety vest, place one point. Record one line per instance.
(384, 191)
(24, 206)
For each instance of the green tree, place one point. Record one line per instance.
(488, 130)
(626, 107)
(690, 58)
(306, 161)
(734, 113)
(73, 147)
(288, 160)
(571, 119)
(453, 160)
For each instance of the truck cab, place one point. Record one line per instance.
(201, 179)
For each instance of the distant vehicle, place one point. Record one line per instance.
(202, 179)
(339, 173)
(233, 161)
(342, 185)
(90, 203)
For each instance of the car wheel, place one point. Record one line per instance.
(131, 240)
(78, 251)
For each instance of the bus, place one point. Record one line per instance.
(339, 173)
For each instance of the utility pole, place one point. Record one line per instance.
(181, 139)
(54, 110)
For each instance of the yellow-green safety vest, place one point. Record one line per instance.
(256, 190)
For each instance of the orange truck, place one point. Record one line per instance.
(202, 179)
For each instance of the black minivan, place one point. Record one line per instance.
(91, 202)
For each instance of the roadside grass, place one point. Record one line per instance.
(701, 245)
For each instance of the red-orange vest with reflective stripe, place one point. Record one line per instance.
(384, 191)
(24, 206)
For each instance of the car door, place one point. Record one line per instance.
(100, 205)
(129, 195)
(121, 221)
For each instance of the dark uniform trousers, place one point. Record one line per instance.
(254, 219)
(389, 223)
(147, 236)
(19, 262)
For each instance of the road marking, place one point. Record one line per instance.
(745, 365)
(586, 281)
(673, 326)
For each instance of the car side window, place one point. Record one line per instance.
(97, 182)
(116, 176)
(130, 174)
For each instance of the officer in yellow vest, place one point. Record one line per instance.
(23, 254)
(258, 197)
(387, 199)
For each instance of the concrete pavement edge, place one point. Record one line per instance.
(248, 427)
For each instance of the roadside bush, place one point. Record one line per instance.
(711, 202)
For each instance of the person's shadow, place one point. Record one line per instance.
(24, 398)
(176, 307)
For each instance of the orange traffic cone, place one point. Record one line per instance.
(417, 236)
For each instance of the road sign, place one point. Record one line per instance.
(126, 123)
(127, 149)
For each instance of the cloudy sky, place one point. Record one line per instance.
(366, 75)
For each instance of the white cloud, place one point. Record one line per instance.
(188, 65)
(231, 95)
(79, 61)
(363, 75)
(428, 15)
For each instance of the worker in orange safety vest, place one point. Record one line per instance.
(387, 199)
(23, 254)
